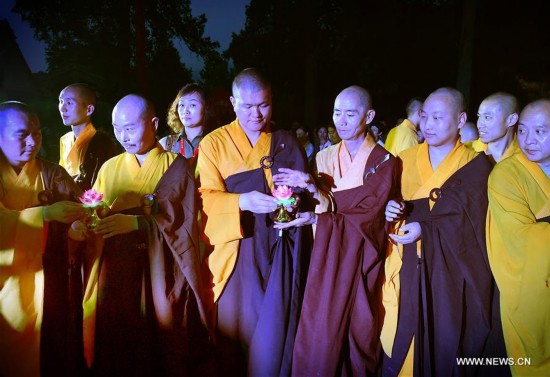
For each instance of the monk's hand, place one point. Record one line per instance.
(116, 224)
(394, 210)
(65, 212)
(257, 202)
(294, 178)
(301, 219)
(411, 232)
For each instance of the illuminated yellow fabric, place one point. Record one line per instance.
(335, 161)
(21, 275)
(123, 183)
(477, 145)
(71, 151)
(512, 149)
(401, 137)
(519, 255)
(223, 153)
(417, 180)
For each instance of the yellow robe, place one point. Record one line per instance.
(417, 180)
(21, 274)
(123, 183)
(222, 153)
(335, 161)
(477, 145)
(519, 254)
(401, 137)
(71, 151)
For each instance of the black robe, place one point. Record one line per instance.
(61, 334)
(449, 299)
(142, 271)
(101, 148)
(259, 307)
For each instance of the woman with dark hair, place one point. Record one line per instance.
(187, 120)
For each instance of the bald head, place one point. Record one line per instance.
(352, 113)
(20, 134)
(135, 124)
(442, 116)
(497, 116)
(533, 131)
(84, 92)
(141, 106)
(507, 102)
(468, 132)
(453, 96)
(250, 79)
(16, 107)
(360, 94)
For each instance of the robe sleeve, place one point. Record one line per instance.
(517, 243)
(369, 206)
(221, 208)
(21, 230)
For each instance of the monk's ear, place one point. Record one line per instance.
(462, 118)
(233, 101)
(90, 109)
(511, 120)
(370, 116)
(155, 122)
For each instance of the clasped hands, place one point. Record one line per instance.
(68, 212)
(411, 232)
(258, 202)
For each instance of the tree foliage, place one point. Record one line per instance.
(119, 46)
(398, 49)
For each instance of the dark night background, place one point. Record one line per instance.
(397, 49)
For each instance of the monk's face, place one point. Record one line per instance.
(492, 121)
(440, 120)
(133, 129)
(73, 108)
(191, 110)
(20, 137)
(350, 116)
(534, 133)
(253, 108)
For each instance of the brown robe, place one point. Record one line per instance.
(339, 327)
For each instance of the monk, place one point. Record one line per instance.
(518, 241)
(143, 298)
(34, 201)
(257, 271)
(339, 328)
(496, 123)
(440, 297)
(83, 149)
(404, 135)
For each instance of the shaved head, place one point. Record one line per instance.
(507, 102)
(85, 93)
(137, 104)
(468, 132)
(135, 124)
(361, 94)
(16, 107)
(413, 106)
(454, 96)
(20, 134)
(533, 131)
(250, 79)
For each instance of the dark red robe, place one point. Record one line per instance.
(340, 324)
